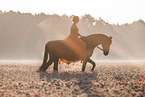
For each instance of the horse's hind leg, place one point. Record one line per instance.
(56, 59)
(44, 66)
(93, 63)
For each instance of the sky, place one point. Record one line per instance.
(112, 11)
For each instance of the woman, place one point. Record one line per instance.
(75, 43)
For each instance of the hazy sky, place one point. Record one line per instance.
(113, 11)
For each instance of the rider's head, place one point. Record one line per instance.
(75, 19)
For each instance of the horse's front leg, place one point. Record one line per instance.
(84, 65)
(93, 63)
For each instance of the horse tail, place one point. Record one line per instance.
(46, 54)
(43, 66)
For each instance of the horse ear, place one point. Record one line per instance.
(110, 37)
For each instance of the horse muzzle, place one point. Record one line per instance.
(105, 53)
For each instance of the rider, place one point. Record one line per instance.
(74, 28)
(77, 45)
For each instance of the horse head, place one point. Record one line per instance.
(106, 45)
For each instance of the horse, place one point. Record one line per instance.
(59, 49)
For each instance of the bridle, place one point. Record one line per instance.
(100, 48)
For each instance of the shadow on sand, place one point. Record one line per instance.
(82, 79)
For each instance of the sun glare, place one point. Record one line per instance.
(113, 11)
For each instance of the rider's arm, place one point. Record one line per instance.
(79, 34)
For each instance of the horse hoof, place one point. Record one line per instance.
(55, 71)
(92, 70)
(38, 71)
(83, 70)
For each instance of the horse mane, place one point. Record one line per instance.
(96, 37)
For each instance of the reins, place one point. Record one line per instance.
(100, 48)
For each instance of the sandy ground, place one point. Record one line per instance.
(19, 79)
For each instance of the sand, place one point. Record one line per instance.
(20, 79)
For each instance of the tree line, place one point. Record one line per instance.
(23, 35)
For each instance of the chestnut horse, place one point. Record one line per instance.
(59, 49)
